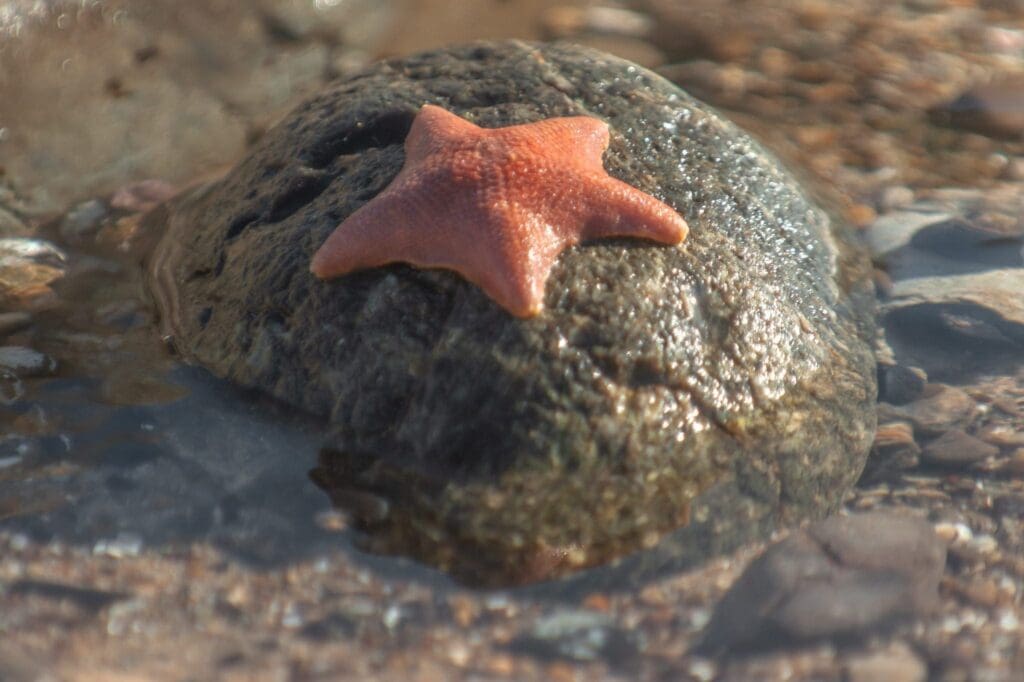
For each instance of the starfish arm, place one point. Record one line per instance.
(433, 130)
(356, 244)
(512, 260)
(616, 209)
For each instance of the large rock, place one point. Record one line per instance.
(723, 385)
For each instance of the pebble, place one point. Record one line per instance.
(564, 21)
(981, 592)
(955, 448)
(1003, 435)
(995, 109)
(14, 322)
(1014, 170)
(894, 450)
(11, 225)
(27, 268)
(25, 362)
(844, 576)
(578, 635)
(142, 196)
(940, 408)
(861, 215)
(894, 197)
(953, 532)
(82, 221)
(122, 545)
(899, 385)
(898, 663)
(1014, 464)
(11, 388)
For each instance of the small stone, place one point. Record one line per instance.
(898, 663)
(11, 225)
(1002, 435)
(459, 654)
(1008, 621)
(332, 520)
(25, 362)
(142, 196)
(1014, 170)
(981, 592)
(952, 533)
(995, 109)
(392, 616)
(861, 215)
(1014, 464)
(83, 221)
(957, 449)
(899, 385)
(11, 388)
(1003, 40)
(939, 409)
(123, 545)
(983, 544)
(597, 601)
(27, 268)
(564, 21)
(894, 197)
(13, 322)
(1009, 505)
(464, 608)
(578, 635)
(894, 451)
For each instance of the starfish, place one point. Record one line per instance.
(496, 205)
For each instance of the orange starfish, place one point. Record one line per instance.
(496, 205)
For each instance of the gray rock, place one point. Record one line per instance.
(898, 663)
(82, 221)
(900, 385)
(11, 225)
(737, 364)
(896, 196)
(27, 268)
(957, 449)
(578, 635)
(939, 409)
(25, 362)
(845, 576)
(995, 108)
(955, 259)
(13, 322)
(894, 451)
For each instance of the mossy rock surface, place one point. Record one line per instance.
(719, 387)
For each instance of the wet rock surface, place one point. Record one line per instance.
(496, 430)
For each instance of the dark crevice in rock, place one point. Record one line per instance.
(204, 317)
(300, 192)
(389, 128)
(239, 225)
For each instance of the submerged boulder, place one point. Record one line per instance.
(723, 385)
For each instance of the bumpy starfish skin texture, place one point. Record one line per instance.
(496, 205)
